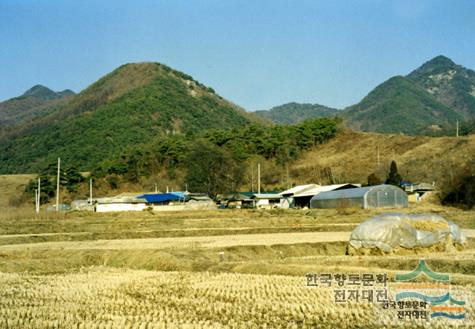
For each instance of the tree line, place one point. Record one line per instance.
(213, 160)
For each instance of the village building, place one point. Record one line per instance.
(302, 199)
(235, 200)
(287, 196)
(300, 196)
(266, 200)
(162, 199)
(121, 202)
(417, 192)
(200, 201)
(176, 201)
(82, 205)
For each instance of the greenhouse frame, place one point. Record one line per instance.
(369, 197)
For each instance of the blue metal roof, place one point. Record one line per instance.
(163, 197)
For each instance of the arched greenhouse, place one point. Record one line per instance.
(378, 196)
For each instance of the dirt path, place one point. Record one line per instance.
(198, 241)
(189, 229)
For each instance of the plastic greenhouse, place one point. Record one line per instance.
(379, 196)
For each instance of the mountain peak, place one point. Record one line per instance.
(46, 94)
(436, 65)
(40, 91)
(450, 83)
(441, 60)
(65, 92)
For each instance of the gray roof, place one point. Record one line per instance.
(120, 199)
(353, 192)
(298, 188)
(266, 196)
(325, 188)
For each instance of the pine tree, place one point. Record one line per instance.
(394, 178)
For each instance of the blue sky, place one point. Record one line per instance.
(256, 53)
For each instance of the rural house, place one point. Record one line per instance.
(302, 198)
(287, 196)
(266, 200)
(121, 202)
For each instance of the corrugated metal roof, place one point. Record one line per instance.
(266, 196)
(120, 199)
(352, 192)
(324, 188)
(163, 197)
(200, 198)
(234, 196)
(419, 187)
(299, 189)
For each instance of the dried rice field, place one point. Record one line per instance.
(237, 269)
(113, 298)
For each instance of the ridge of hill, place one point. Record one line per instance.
(129, 106)
(45, 93)
(292, 113)
(35, 102)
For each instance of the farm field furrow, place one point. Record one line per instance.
(152, 299)
(197, 241)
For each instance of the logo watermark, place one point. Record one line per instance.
(419, 295)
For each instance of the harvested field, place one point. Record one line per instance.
(148, 299)
(215, 269)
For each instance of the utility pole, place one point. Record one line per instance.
(57, 186)
(457, 129)
(90, 191)
(36, 201)
(258, 178)
(38, 197)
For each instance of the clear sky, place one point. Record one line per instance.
(256, 53)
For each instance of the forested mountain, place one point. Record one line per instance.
(35, 102)
(429, 100)
(399, 106)
(292, 113)
(143, 103)
(131, 105)
(433, 97)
